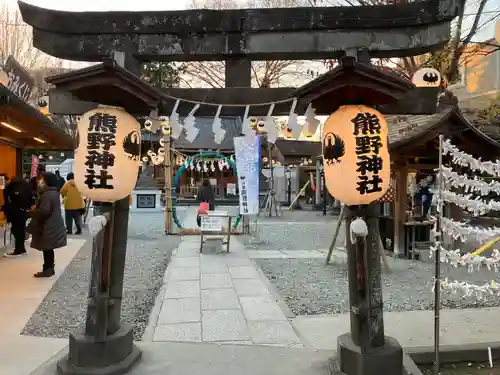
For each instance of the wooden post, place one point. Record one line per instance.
(168, 187)
(400, 205)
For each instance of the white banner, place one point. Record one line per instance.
(247, 154)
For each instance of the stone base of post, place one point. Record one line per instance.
(350, 360)
(115, 356)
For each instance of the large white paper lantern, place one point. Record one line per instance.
(108, 154)
(427, 77)
(356, 156)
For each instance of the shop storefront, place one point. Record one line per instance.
(23, 126)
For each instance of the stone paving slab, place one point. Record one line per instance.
(285, 254)
(219, 298)
(412, 329)
(160, 358)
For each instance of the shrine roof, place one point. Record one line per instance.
(411, 131)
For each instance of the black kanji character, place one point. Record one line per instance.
(102, 159)
(363, 145)
(372, 164)
(96, 140)
(366, 144)
(366, 123)
(368, 186)
(102, 123)
(375, 144)
(103, 177)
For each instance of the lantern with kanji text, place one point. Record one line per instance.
(355, 155)
(107, 156)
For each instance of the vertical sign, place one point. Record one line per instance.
(247, 153)
(34, 166)
(20, 82)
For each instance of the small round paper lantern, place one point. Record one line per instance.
(165, 129)
(261, 126)
(148, 124)
(253, 123)
(356, 155)
(162, 142)
(43, 106)
(427, 77)
(108, 156)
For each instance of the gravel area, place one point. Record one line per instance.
(148, 254)
(281, 234)
(309, 287)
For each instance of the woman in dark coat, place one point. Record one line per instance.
(47, 225)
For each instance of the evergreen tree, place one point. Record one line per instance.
(162, 74)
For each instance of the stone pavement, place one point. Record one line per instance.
(20, 296)
(413, 329)
(219, 298)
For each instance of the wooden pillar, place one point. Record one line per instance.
(168, 187)
(400, 205)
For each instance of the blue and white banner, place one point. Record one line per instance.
(247, 154)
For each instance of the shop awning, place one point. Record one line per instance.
(25, 126)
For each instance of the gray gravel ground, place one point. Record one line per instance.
(293, 232)
(148, 254)
(309, 287)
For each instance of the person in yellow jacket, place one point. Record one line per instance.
(74, 205)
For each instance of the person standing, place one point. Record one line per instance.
(34, 182)
(206, 197)
(18, 202)
(60, 180)
(47, 226)
(74, 205)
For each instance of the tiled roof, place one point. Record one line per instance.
(406, 127)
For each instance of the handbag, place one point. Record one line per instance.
(204, 208)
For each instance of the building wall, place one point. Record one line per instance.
(8, 164)
(479, 85)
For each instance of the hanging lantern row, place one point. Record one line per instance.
(206, 166)
(265, 162)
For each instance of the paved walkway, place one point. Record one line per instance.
(20, 296)
(219, 298)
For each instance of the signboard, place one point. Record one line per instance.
(247, 153)
(211, 224)
(146, 200)
(34, 166)
(231, 189)
(20, 82)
